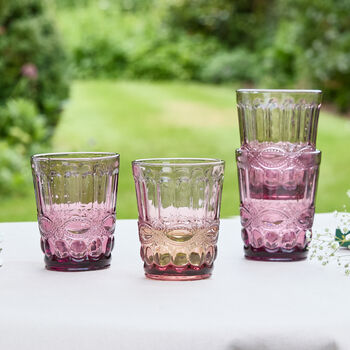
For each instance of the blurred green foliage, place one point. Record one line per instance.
(33, 86)
(265, 43)
(33, 63)
(21, 124)
(322, 45)
(233, 23)
(238, 65)
(22, 132)
(107, 41)
(294, 42)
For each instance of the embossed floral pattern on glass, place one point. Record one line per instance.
(76, 205)
(179, 210)
(277, 188)
(278, 166)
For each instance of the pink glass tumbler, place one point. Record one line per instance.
(76, 205)
(278, 166)
(179, 209)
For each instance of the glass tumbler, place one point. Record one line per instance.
(278, 166)
(179, 209)
(76, 205)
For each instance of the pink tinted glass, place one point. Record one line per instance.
(277, 190)
(76, 204)
(278, 166)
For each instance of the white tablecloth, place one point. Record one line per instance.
(244, 305)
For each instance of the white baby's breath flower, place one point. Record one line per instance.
(335, 245)
(324, 246)
(345, 229)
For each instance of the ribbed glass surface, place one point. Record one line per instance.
(278, 167)
(76, 203)
(278, 115)
(179, 209)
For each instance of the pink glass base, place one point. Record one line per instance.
(72, 264)
(175, 273)
(262, 254)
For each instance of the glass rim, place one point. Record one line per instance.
(291, 91)
(178, 162)
(75, 156)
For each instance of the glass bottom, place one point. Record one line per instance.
(72, 264)
(176, 273)
(262, 254)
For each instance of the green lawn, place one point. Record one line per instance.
(141, 119)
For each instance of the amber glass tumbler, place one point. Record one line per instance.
(179, 209)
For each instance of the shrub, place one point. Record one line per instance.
(131, 45)
(295, 42)
(231, 22)
(178, 57)
(33, 86)
(93, 39)
(124, 5)
(238, 65)
(98, 57)
(322, 45)
(14, 169)
(33, 63)
(21, 124)
(24, 132)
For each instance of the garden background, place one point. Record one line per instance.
(149, 78)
